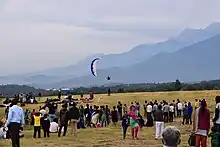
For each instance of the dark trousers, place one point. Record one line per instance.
(217, 126)
(166, 114)
(60, 129)
(120, 115)
(124, 128)
(179, 113)
(185, 119)
(149, 114)
(37, 131)
(46, 132)
(14, 130)
(190, 119)
(171, 116)
(107, 119)
(88, 122)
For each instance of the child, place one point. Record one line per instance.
(134, 123)
(37, 124)
(45, 122)
(124, 125)
(214, 138)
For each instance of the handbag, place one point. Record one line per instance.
(192, 140)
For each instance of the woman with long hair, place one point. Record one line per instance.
(201, 124)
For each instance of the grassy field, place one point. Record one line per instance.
(112, 136)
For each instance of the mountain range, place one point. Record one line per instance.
(190, 56)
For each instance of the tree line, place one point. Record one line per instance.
(12, 90)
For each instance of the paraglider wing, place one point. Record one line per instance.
(93, 66)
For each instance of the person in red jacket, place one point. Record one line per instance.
(201, 124)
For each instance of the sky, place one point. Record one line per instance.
(41, 34)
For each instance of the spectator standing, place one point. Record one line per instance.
(179, 109)
(149, 110)
(171, 112)
(125, 109)
(190, 111)
(37, 124)
(201, 124)
(63, 120)
(119, 106)
(73, 116)
(145, 109)
(166, 111)
(174, 105)
(216, 119)
(114, 115)
(185, 115)
(15, 121)
(45, 122)
(6, 112)
(159, 122)
(88, 116)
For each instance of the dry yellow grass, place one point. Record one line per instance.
(112, 136)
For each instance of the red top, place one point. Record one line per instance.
(204, 120)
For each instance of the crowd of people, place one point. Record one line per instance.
(154, 113)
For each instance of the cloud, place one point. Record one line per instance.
(39, 34)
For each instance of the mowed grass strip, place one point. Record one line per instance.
(112, 136)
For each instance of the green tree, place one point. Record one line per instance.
(177, 85)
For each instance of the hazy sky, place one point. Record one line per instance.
(39, 34)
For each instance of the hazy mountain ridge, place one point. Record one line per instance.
(150, 56)
(197, 62)
(139, 53)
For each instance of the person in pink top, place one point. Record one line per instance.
(134, 122)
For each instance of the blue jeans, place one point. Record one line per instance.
(51, 117)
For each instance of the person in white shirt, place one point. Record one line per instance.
(32, 100)
(179, 109)
(149, 109)
(171, 112)
(54, 127)
(43, 112)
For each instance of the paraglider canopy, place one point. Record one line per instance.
(93, 66)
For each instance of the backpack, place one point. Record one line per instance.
(192, 140)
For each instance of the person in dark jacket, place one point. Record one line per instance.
(124, 125)
(63, 120)
(114, 115)
(52, 110)
(107, 114)
(119, 106)
(159, 118)
(190, 111)
(81, 123)
(88, 116)
(185, 115)
(216, 119)
(45, 123)
(73, 116)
